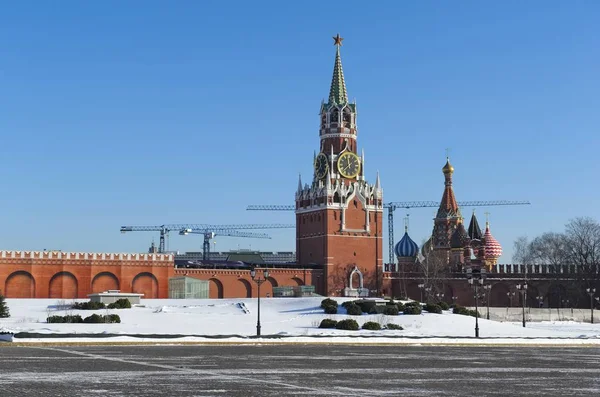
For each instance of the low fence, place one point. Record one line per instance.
(515, 314)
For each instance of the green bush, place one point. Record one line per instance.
(371, 325)
(4, 311)
(88, 305)
(350, 325)
(393, 326)
(65, 319)
(330, 309)
(378, 309)
(122, 303)
(366, 305)
(412, 303)
(391, 310)
(443, 306)
(400, 306)
(464, 311)
(433, 308)
(96, 318)
(413, 309)
(328, 323)
(345, 304)
(353, 310)
(328, 302)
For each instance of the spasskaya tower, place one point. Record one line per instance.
(339, 214)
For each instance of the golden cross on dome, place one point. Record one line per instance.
(447, 152)
(338, 40)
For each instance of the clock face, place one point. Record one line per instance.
(321, 166)
(348, 165)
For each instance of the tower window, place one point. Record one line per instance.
(334, 216)
(355, 204)
(347, 118)
(335, 116)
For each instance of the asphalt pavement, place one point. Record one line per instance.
(297, 370)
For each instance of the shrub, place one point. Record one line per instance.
(4, 312)
(412, 303)
(443, 306)
(122, 303)
(96, 318)
(345, 304)
(412, 309)
(464, 311)
(391, 310)
(65, 319)
(330, 309)
(433, 308)
(327, 323)
(400, 306)
(88, 305)
(366, 305)
(328, 302)
(350, 325)
(393, 326)
(371, 325)
(353, 310)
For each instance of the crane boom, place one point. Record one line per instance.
(201, 228)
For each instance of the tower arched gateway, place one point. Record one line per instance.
(339, 214)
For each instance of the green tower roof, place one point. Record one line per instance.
(337, 93)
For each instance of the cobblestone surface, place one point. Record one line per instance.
(297, 370)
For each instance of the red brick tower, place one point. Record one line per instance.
(339, 215)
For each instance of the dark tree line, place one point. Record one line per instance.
(577, 247)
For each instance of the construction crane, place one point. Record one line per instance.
(392, 206)
(209, 235)
(165, 229)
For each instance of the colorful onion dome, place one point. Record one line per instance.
(448, 168)
(459, 238)
(406, 247)
(493, 249)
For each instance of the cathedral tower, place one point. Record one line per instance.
(339, 214)
(448, 216)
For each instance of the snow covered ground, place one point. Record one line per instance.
(295, 319)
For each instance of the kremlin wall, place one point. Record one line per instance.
(339, 245)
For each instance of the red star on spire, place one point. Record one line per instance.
(338, 40)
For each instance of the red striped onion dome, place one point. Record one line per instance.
(493, 249)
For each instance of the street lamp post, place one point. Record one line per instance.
(487, 289)
(440, 297)
(421, 286)
(591, 292)
(475, 278)
(522, 288)
(258, 282)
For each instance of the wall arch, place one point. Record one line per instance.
(147, 284)
(104, 281)
(246, 287)
(20, 284)
(297, 281)
(63, 285)
(215, 288)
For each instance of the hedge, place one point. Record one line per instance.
(371, 325)
(350, 325)
(328, 323)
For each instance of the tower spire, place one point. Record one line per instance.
(337, 92)
(448, 206)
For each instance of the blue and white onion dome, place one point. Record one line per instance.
(406, 247)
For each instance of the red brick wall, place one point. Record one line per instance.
(65, 275)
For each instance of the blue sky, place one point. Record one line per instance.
(152, 112)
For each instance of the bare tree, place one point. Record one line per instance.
(434, 267)
(521, 254)
(583, 247)
(549, 249)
